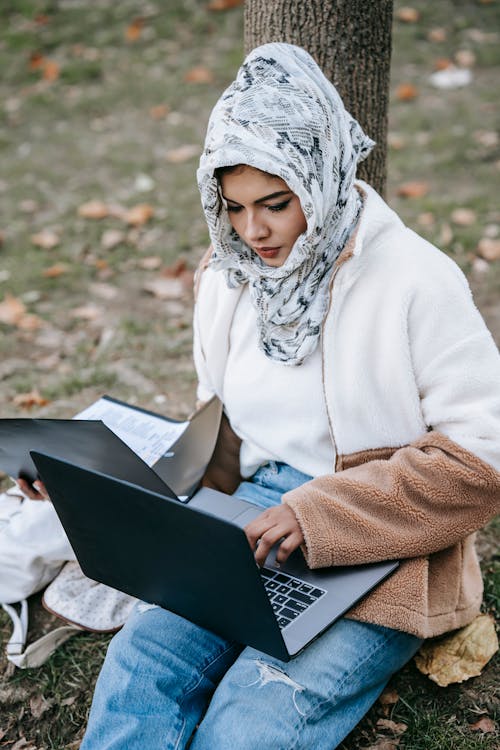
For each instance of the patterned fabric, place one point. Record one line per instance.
(282, 116)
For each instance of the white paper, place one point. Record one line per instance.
(148, 436)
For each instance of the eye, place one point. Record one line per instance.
(234, 209)
(279, 206)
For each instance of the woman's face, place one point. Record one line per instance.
(264, 212)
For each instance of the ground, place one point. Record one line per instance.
(107, 103)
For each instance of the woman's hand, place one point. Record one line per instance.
(272, 525)
(35, 491)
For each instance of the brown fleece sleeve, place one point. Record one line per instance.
(425, 498)
(223, 470)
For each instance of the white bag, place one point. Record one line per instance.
(33, 550)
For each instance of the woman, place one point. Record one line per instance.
(362, 410)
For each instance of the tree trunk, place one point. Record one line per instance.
(351, 41)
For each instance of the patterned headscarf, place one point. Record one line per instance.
(282, 116)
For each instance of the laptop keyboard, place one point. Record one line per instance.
(289, 596)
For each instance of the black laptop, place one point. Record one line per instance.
(194, 559)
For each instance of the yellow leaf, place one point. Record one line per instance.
(413, 189)
(139, 214)
(28, 400)
(134, 31)
(93, 210)
(405, 92)
(199, 74)
(460, 656)
(12, 310)
(47, 239)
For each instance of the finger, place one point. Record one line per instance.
(256, 528)
(289, 545)
(28, 489)
(267, 541)
(41, 489)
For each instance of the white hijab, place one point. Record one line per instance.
(282, 116)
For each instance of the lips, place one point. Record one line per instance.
(267, 252)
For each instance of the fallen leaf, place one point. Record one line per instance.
(388, 699)
(442, 63)
(165, 288)
(446, 234)
(111, 238)
(485, 724)
(139, 215)
(30, 323)
(38, 705)
(489, 248)
(12, 310)
(86, 312)
(159, 111)
(405, 92)
(93, 210)
(134, 31)
(47, 239)
(58, 269)
(68, 701)
(384, 743)
(426, 219)
(224, 4)
(465, 58)
(50, 70)
(488, 138)
(464, 217)
(36, 61)
(28, 206)
(28, 400)
(199, 74)
(437, 35)
(461, 655)
(175, 270)
(104, 291)
(392, 726)
(408, 15)
(396, 141)
(413, 189)
(151, 263)
(183, 153)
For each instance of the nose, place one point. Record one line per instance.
(256, 228)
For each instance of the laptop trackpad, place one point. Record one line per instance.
(228, 507)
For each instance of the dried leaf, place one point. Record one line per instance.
(489, 248)
(183, 153)
(464, 217)
(442, 63)
(104, 291)
(485, 724)
(28, 400)
(199, 74)
(12, 310)
(389, 698)
(413, 189)
(111, 238)
(50, 70)
(488, 138)
(437, 35)
(30, 323)
(406, 92)
(47, 239)
(86, 312)
(38, 705)
(461, 655)
(426, 219)
(36, 60)
(392, 726)
(93, 210)
(58, 269)
(139, 215)
(408, 15)
(465, 58)
(151, 263)
(384, 743)
(159, 112)
(165, 288)
(134, 31)
(215, 5)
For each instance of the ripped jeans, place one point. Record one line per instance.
(166, 681)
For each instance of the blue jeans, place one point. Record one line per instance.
(165, 678)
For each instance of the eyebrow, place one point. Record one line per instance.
(269, 197)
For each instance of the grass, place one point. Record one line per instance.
(89, 135)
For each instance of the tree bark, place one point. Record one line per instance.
(351, 41)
